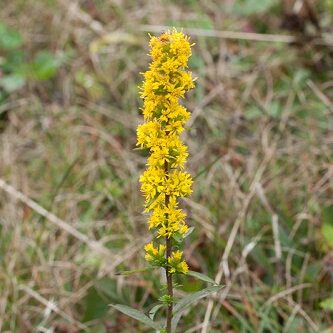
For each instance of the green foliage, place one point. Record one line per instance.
(16, 69)
(98, 298)
(327, 304)
(133, 313)
(96, 305)
(327, 226)
(262, 115)
(153, 311)
(249, 7)
(179, 307)
(44, 66)
(202, 22)
(9, 39)
(166, 299)
(188, 300)
(200, 276)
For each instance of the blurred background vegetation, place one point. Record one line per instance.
(260, 151)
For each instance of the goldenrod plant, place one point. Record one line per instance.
(164, 181)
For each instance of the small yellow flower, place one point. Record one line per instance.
(177, 265)
(183, 267)
(155, 255)
(149, 247)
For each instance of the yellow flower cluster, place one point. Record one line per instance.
(164, 180)
(155, 255)
(177, 264)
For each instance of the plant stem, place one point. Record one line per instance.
(169, 286)
(168, 255)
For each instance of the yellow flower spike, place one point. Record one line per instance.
(165, 181)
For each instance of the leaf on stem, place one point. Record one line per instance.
(153, 311)
(152, 201)
(140, 316)
(200, 276)
(188, 300)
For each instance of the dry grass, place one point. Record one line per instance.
(260, 143)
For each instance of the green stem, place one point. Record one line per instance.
(167, 272)
(169, 286)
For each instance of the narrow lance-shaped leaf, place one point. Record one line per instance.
(200, 276)
(152, 201)
(136, 315)
(188, 300)
(153, 311)
(191, 298)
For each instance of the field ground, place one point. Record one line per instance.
(261, 152)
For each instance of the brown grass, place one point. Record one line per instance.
(260, 142)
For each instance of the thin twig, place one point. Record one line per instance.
(51, 306)
(321, 95)
(303, 313)
(284, 293)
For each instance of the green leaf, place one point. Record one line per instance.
(152, 200)
(301, 76)
(96, 306)
(9, 39)
(14, 62)
(109, 288)
(13, 82)
(327, 227)
(253, 113)
(327, 214)
(153, 311)
(140, 316)
(200, 276)
(274, 109)
(188, 300)
(133, 271)
(249, 7)
(191, 298)
(327, 304)
(44, 66)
